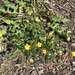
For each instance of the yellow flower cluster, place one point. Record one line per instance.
(0, 35)
(39, 44)
(44, 51)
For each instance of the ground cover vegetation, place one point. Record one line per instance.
(32, 29)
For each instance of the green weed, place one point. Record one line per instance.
(32, 29)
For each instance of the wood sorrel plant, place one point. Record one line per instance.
(31, 29)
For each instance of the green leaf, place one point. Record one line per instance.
(2, 10)
(56, 18)
(29, 11)
(41, 38)
(55, 27)
(3, 31)
(65, 20)
(37, 19)
(16, 51)
(7, 20)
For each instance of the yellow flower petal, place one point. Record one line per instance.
(39, 44)
(0, 35)
(27, 46)
(73, 54)
(68, 38)
(60, 52)
(44, 51)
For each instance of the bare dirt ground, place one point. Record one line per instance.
(61, 65)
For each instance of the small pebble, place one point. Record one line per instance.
(73, 44)
(69, 32)
(31, 60)
(73, 69)
(73, 63)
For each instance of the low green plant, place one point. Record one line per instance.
(32, 29)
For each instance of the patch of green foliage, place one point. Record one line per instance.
(27, 24)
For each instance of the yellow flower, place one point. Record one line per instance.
(44, 51)
(0, 35)
(73, 54)
(27, 46)
(60, 52)
(39, 44)
(68, 38)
